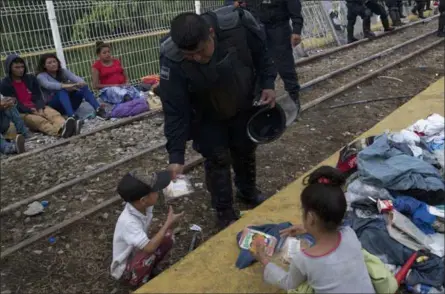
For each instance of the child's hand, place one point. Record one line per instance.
(293, 231)
(259, 252)
(172, 218)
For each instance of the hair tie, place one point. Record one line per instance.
(324, 180)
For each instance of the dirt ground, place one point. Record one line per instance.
(79, 260)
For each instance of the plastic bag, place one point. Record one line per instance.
(179, 187)
(290, 247)
(358, 190)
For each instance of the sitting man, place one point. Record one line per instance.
(8, 114)
(25, 89)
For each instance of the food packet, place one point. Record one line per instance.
(178, 187)
(249, 236)
(291, 245)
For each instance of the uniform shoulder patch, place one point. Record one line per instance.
(165, 73)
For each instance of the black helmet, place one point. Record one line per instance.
(267, 124)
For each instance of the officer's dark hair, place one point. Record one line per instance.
(188, 30)
(323, 195)
(100, 45)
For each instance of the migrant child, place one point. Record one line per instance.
(25, 89)
(335, 264)
(135, 255)
(110, 77)
(63, 90)
(8, 114)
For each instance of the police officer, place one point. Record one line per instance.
(274, 15)
(441, 30)
(419, 8)
(394, 12)
(364, 9)
(213, 66)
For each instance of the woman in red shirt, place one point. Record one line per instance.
(110, 78)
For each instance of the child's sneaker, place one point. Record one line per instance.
(68, 128)
(78, 128)
(101, 113)
(19, 144)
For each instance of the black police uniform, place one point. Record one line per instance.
(441, 30)
(274, 15)
(365, 9)
(211, 104)
(394, 11)
(419, 8)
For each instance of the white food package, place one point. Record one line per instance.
(178, 187)
(290, 248)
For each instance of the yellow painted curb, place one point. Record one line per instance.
(211, 267)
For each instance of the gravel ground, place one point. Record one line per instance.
(55, 166)
(70, 202)
(78, 262)
(338, 60)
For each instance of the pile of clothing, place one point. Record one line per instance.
(406, 167)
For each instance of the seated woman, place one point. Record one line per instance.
(24, 89)
(110, 78)
(63, 90)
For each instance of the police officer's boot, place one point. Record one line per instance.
(395, 18)
(244, 166)
(441, 30)
(386, 26)
(367, 29)
(219, 184)
(226, 217)
(350, 30)
(419, 9)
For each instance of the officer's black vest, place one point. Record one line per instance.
(226, 85)
(359, 2)
(269, 11)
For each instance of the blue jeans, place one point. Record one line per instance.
(68, 102)
(12, 115)
(6, 116)
(7, 147)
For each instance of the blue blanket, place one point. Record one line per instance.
(385, 166)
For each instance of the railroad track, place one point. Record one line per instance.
(90, 154)
(66, 208)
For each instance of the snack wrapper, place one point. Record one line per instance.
(249, 236)
(179, 187)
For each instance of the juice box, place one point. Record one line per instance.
(249, 235)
